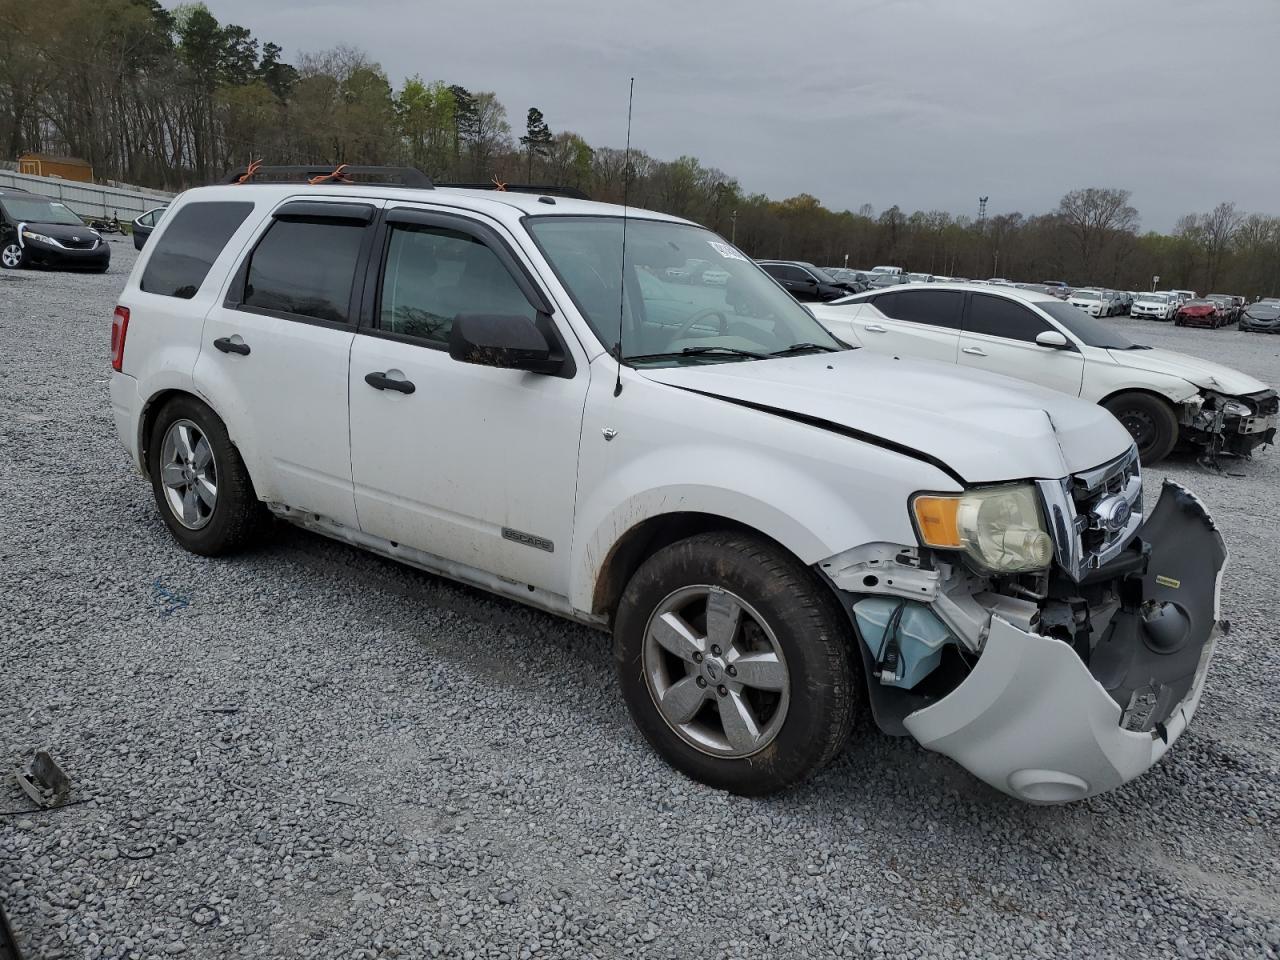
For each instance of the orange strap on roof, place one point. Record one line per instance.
(250, 172)
(338, 176)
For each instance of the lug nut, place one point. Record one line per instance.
(715, 651)
(701, 681)
(722, 690)
(731, 670)
(697, 657)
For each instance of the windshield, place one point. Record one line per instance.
(818, 272)
(1263, 311)
(39, 210)
(1086, 295)
(1088, 330)
(1153, 298)
(740, 313)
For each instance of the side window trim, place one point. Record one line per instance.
(234, 299)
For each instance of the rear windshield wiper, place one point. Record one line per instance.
(803, 347)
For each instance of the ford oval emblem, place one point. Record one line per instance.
(1113, 514)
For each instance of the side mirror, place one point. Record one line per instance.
(1053, 339)
(510, 341)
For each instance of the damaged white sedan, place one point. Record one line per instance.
(1164, 399)
(493, 387)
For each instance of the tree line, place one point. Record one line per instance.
(174, 98)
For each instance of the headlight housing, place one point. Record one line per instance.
(1234, 408)
(39, 237)
(1001, 528)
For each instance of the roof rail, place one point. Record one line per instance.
(326, 173)
(571, 193)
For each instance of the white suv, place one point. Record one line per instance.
(1163, 398)
(776, 528)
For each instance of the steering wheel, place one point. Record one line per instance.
(701, 314)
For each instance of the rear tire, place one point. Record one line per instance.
(1150, 421)
(200, 483)
(776, 702)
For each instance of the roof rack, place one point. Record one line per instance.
(326, 173)
(571, 193)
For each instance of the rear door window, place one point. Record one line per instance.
(305, 269)
(189, 245)
(936, 308)
(999, 317)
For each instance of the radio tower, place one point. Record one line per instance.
(982, 211)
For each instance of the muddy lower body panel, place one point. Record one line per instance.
(1037, 720)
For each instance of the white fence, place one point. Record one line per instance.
(89, 199)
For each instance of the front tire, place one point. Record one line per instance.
(12, 256)
(1150, 421)
(200, 483)
(735, 663)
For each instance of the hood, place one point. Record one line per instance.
(1208, 376)
(983, 427)
(1199, 309)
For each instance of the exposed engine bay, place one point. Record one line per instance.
(1237, 426)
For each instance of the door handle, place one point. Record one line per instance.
(227, 345)
(874, 328)
(380, 381)
(974, 351)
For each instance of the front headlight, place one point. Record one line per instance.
(32, 235)
(1234, 408)
(999, 528)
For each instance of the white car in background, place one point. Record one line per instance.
(1095, 303)
(1154, 306)
(1163, 398)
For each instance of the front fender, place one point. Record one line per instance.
(815, 492)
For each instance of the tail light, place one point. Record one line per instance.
(119, 328)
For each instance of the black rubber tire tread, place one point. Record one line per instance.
(239, 519)
(826, 682)
(1161, 413)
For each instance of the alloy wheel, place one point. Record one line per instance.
(716, 672)
(11, 256)
(189, 474)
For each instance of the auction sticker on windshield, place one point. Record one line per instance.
(726, 251)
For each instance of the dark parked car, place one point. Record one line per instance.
(806, 282)
(1228, 308)
(143, 225)
(38, 231)
(1261, 317)
(1198, 313)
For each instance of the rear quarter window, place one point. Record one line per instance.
(189, 245)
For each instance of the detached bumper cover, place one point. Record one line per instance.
(1035, 721)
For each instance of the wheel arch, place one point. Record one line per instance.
(650, 535)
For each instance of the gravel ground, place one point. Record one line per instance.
(312, 752)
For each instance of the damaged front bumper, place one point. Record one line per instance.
(1235, 425)
(1045, 722)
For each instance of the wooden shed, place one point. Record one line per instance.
(44, 165)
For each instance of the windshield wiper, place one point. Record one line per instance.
(1136, 346)
(802, 347)
(699, 351)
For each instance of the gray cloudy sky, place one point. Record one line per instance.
(923, 103)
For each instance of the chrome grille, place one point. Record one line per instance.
(1094, 514)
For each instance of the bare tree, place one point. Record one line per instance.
(1091, 216)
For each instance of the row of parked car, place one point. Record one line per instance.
(812, 284)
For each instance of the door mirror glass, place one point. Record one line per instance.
(511, 341)
(1052, 338)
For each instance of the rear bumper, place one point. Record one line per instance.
(125, 405)
(1036, 721)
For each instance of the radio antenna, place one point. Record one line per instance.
(622, 280)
